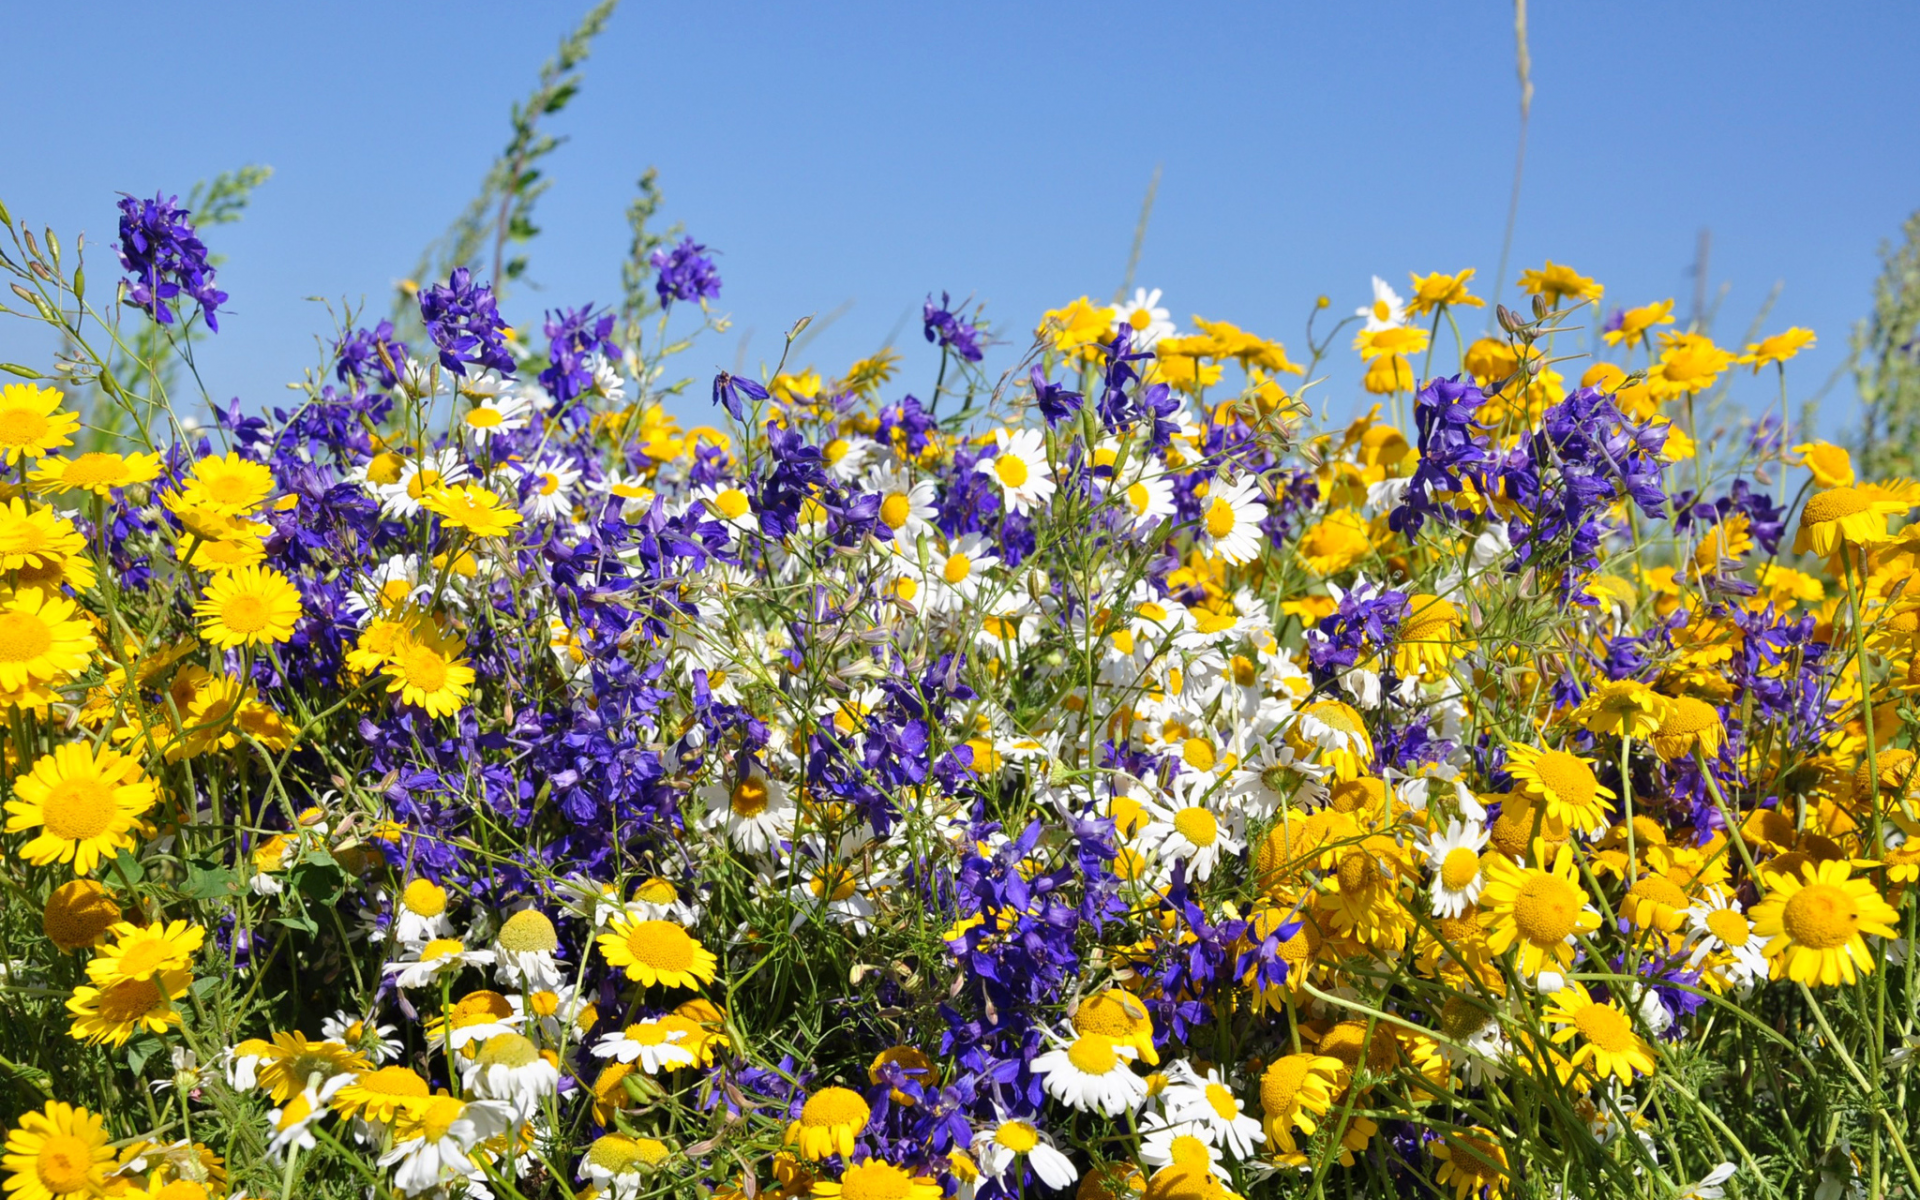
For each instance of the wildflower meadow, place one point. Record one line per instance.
(526, 763)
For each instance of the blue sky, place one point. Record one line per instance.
(869, 153)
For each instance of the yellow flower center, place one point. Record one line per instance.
(1138, 498)
(1357, 871)
(1820, 916)
(1220, 518)
(1569, 778)
(425, 668)
(1833, 504)
(1606, 1027)
(1280, 1086)
(229, 489)
(1687, 714)
(440, 948)
(143, 958)
(1197, 825)
(549, 483)
(509, 1050)
(1139, 319)
(1729, 926)
(392, 1081)
(1382, 311)
(833, 1107)
(1220, 1097)
(439, 1118)
(1093, 1054)
(1459, 868)
(1017, 1136)
(425, 897)
(93, 469)
(23, 637)
(78, 809)
(22, 426)
(485, 418)
(1659, 890)
(749, 798)
(129, 1000)
(64, 1161)
(732, 503)
(1546, 908)
(957, 568)
(528, 931)
(836, 882)
(661, 945)
(873, 1180)
(1198, 753)
(245, 613)
(656, 891)
(1011, 469)
(895, 509)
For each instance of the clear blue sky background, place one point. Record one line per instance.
(871, 152)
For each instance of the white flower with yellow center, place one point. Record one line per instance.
(656, 899)
(1453, 860)
(1181, 829)
(1387, 309)
(1165, 1140)
(906, 507)
(416, 479)
(954, 576)
(433, 1144)
(847, 457)
(548, 488)
(497, 414)
(619, 1165)
(837, 890)
(523, 951)
(754, 810)
(589, 899)
(363, 1034)
(420, 913)
(1230, 516)
(630, 492)
(998, 1150)
(1721, 940)
(1092, 1073)
(1147, 501)
(511, 1069)
(1144, 316)
(1020, 469)
(651, 1044)
(291, 1125)
(1207, 1101)
(726, 502)
(426, 964)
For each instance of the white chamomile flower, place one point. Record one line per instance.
(511, 1069)
(725, 502)
(374, 1040)
(1208, 1102)
(432, 1144)
(1181, 830)
(656, 899)
(1145, 317)
(1712, 1187)
(1721, 939)
(954, 575)
(292, 1123)
(906, 507)
(589, 899)
(1230, 518)
(1453, 859)
(417, 478)
(424, 966)
(630, 492)
(1092, 1073)
(523, 951)
(1165, 1140)
(998, 1150)
(550, 493)
(754, 810)
(655, 1047)
(496, 414)
(847, 458)
(1387, 309)
(1020, 468)
(420, 913)
(1148, 501)
(389, 587)
(607, 380)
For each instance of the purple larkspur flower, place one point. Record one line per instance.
(464, 322)
(685, 273)
(164, 259)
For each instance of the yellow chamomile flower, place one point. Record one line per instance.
(1814, 924)
(84, 802)
(1778, 348)
(1294, 1089)
(829, 1122)
(32, 424)
(657, 953)
(1566, 783)
(57, 1152)
(1606, 1037)
(1556, 282)
(1535, 911)
(97, 472)
(250, 606)
(472, 507)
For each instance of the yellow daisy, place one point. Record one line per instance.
(251, 606)
(1427, 637)
(428, 668)
(229, 486)
(1555, 282)
(1686, 724)
(1854, 516)
(380, 1095)
(97, 472)
(473, 508)
(78, 915)
(143, 951)
(290, 1060)
(1537, 912)
(1813, 924)
(1470, 1162)
(56, 1152)
(44, 638)
(1778, 348)
(1432, 291)
(875, 1180)
(31, 423)
(1607, 1038)
(1566, 783)
(1293, 1090)
(35, 537)
(657, 952)
(829, 1122)
(114, 1013)
(1622, 707)
(84, 802)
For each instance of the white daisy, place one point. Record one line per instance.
(1000, 1148)
(511, 1069)
(1208, 1102)
(292, 1123)
(389, 587)
(442, 956)
(655, 1047)
(502, 413)
(1189, 832)
(1145, 317)
(402, 497)
(1453, 859)
(847, 458)
(954, 575)
(1148, 501)
(363, 1034)
(1020, 468)
(631, 492)
(906, 507)
(1166, 1140)
(551, 493)
(754, 810)
(727, 503)
(420, 913)
(1717, 928)
(439, 1140)
(1387, 309)
(1092, 1073)
(1231, 520)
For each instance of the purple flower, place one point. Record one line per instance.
(686, 273)
(163, 259)
(1055, 401)
(358, 356)
(573, 338)
(952, 331)
(727, 390)
(464, 322)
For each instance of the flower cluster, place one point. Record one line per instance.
(474, 781)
